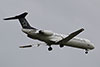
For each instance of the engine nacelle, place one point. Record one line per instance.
(46, 32)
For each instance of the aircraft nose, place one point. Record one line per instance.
(92, 47)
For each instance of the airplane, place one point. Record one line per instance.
(50, 38)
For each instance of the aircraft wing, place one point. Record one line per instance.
(31, 45)
(69, 37)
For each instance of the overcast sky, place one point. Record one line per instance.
(60, 16)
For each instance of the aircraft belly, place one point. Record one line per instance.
(43, 38)
(52, 40)
(76, 44)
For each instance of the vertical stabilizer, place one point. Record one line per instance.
(22, 20)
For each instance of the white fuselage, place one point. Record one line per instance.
(52, 39)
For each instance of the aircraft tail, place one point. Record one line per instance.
(17, 17)
(22, 20)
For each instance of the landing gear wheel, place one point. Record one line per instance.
(50, 48)
(61, 46)
(86, 52)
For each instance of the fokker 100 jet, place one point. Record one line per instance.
(50, 38)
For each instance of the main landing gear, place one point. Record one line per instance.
(86, 51)
(61, 46)
(50, 48)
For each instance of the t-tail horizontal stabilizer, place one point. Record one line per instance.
(17, 17)
(24, 23)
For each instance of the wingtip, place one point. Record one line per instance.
(5, 19)
(82, 29)
(26, 46)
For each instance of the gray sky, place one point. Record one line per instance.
(61, 16)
